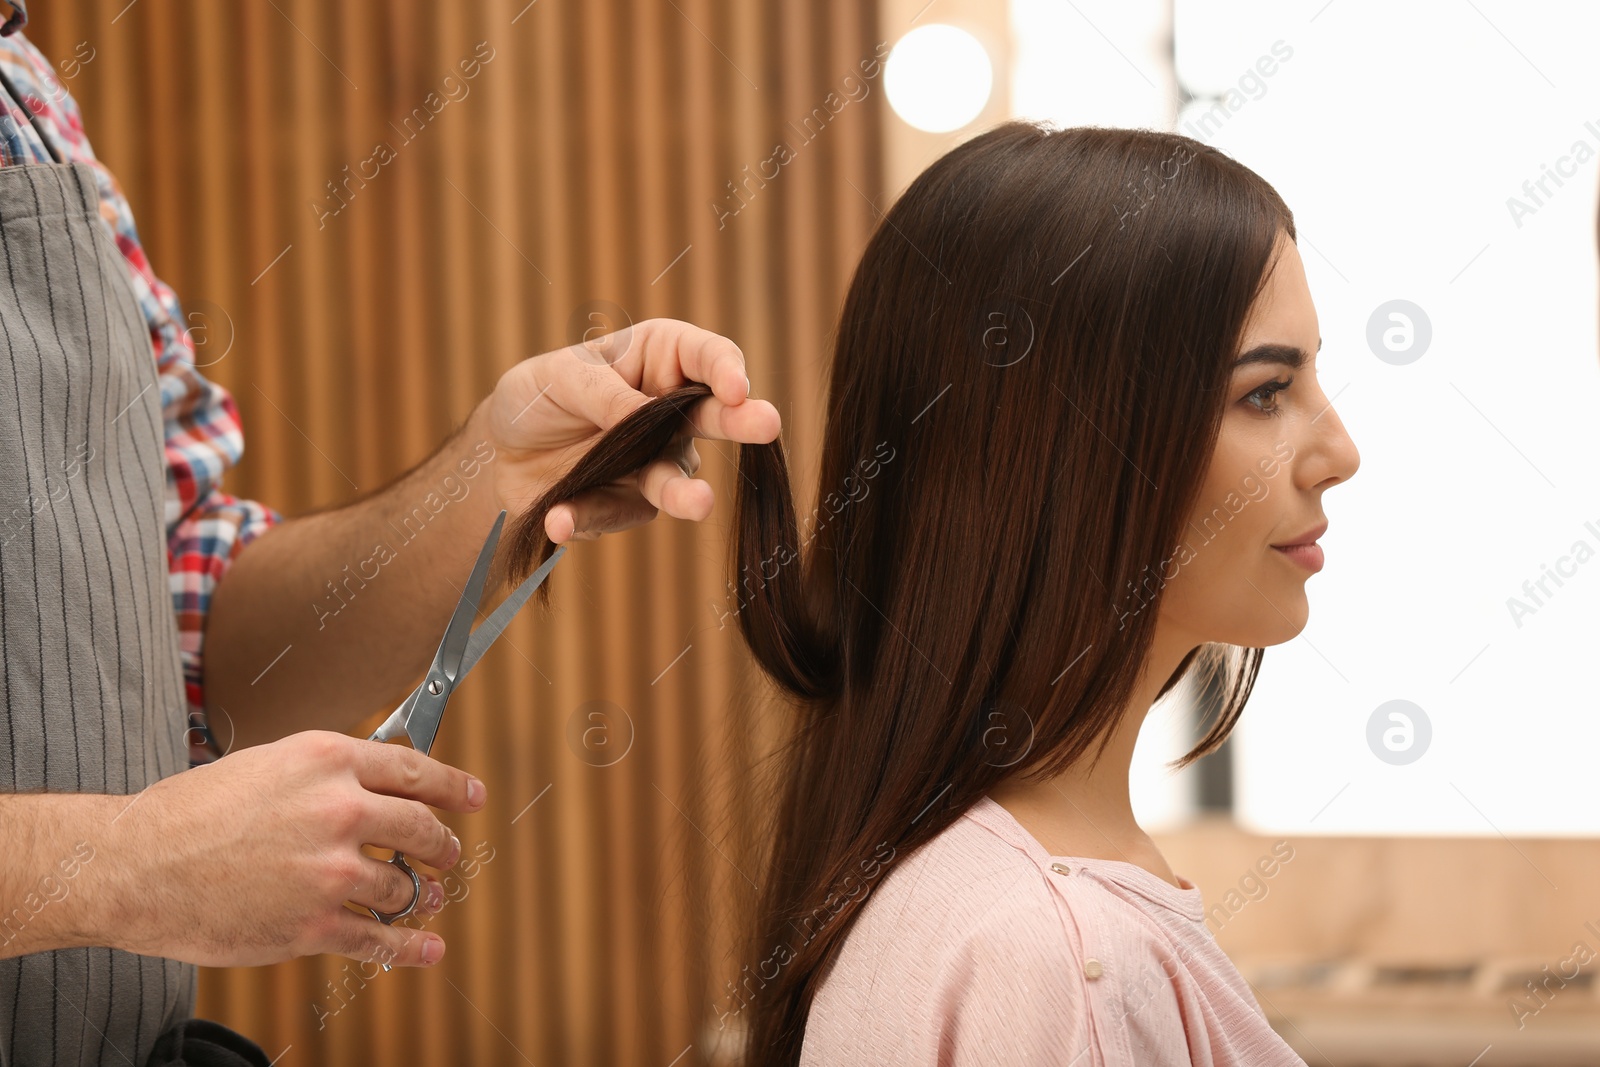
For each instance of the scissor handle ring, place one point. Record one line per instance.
(390, 918)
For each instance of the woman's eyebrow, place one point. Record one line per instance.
(1290, 356)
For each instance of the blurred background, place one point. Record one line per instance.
(1423, 754)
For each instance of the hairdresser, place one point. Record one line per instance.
(176, 783)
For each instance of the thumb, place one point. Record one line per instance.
(606, 398)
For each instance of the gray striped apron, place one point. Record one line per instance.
(93, 690)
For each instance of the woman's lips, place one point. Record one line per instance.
(1308, 556)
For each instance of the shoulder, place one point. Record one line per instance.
(974, 886)
(964, 950)
(979, 947)
(45, 91)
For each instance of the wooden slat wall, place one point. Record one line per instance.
(583, 160)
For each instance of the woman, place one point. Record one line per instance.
(1075, 453)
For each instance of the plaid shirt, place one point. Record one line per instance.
(206, 528)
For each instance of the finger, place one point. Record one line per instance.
(672, 352)
(598, 393)
(410, 827)
(559, 524)
(397, 771)
(754, 422)
(662, 354)
(384, 886)
(684, 454)
(361, 937)
(605, 509)
(619, 509)
(665, 486)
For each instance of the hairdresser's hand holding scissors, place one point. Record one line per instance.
(548, 410)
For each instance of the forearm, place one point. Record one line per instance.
(330, 617)
(53, 888)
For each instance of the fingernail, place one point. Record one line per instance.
(747, 385)
(455, 850)
(475, 792)
(432, 949)
(435, 896)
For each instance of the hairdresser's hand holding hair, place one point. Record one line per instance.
(368, 637)
(547, 411)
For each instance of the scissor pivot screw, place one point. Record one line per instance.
(435, 687)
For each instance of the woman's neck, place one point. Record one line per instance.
(1087, 810)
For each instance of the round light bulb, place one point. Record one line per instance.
(938, 78)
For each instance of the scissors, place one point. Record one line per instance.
(418, 715)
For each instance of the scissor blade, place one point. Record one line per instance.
(395, 724)
(428, 703)
(454, 643)
(495, 624)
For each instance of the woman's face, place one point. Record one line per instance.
(1280, 448)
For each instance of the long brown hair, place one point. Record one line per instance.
(1028, 380)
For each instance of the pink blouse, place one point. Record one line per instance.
(981, 948)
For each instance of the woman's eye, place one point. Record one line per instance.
(1265, 399)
